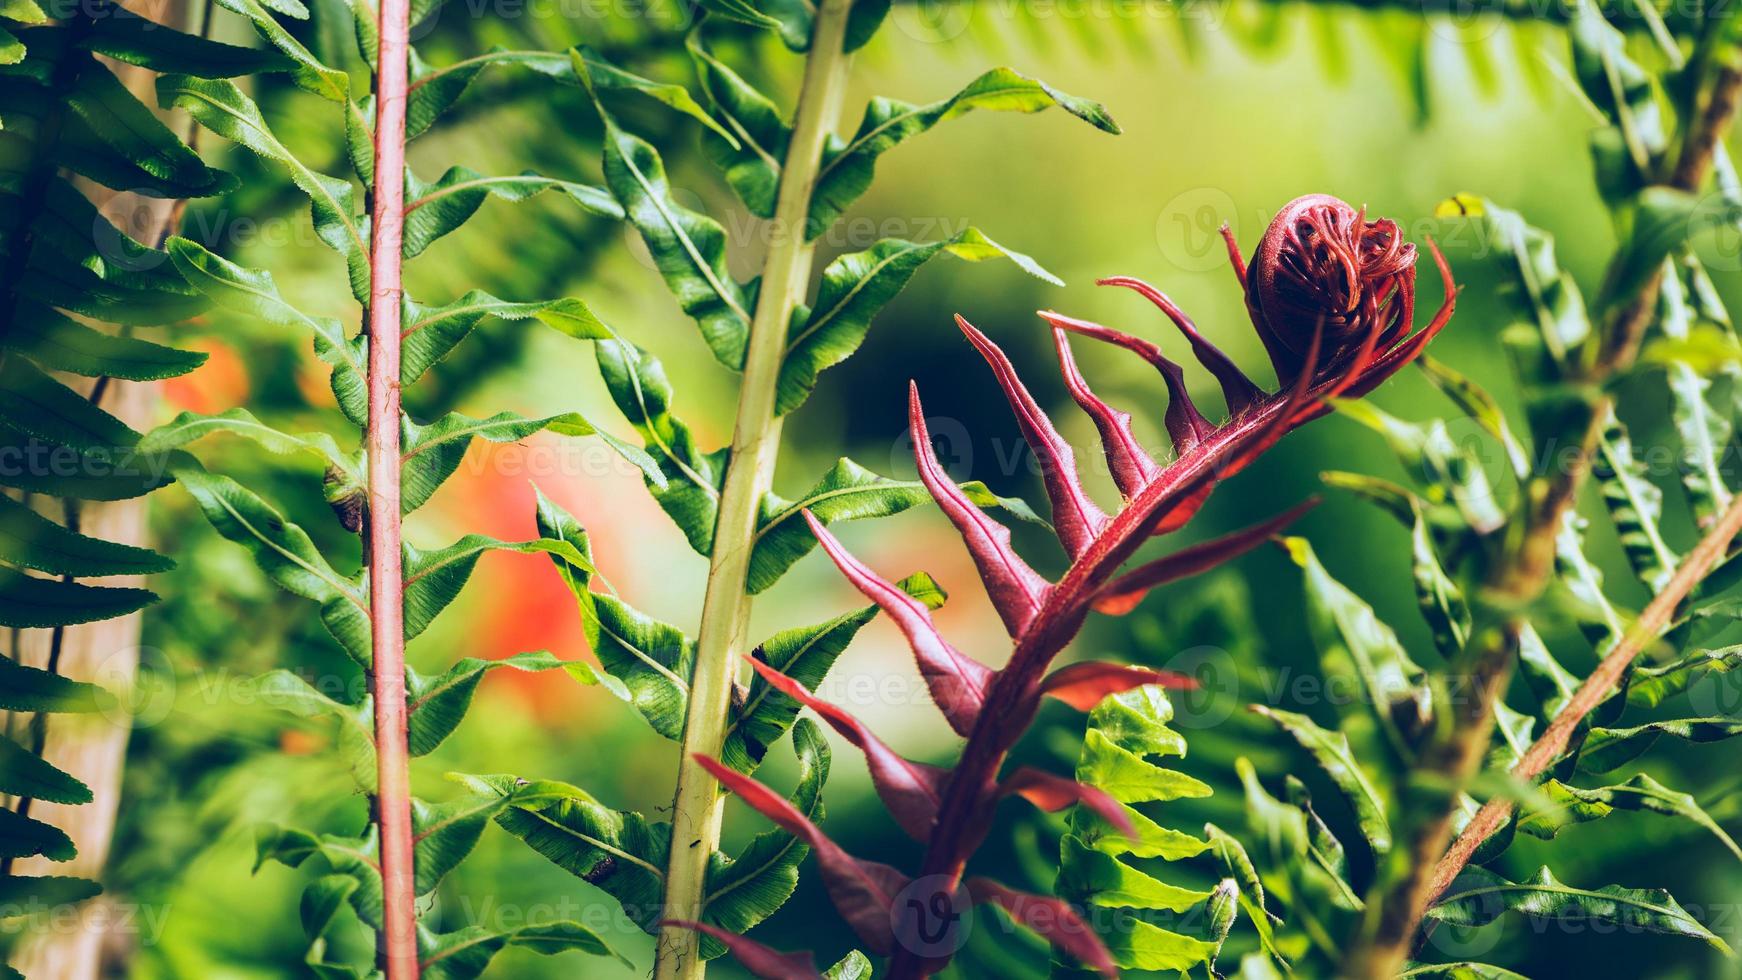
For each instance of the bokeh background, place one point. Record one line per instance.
(1228, 110)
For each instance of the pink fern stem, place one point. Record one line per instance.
(398, 951)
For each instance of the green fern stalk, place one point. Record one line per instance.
(696, 808)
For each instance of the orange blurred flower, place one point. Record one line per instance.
(219, 384)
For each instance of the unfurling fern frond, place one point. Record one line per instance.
(1328, 333)
(1370, 752)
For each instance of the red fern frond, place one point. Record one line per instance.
(1185, 425)
(911, 790)
(1238, 390)
(1050, 917)
(1131, 465)
(762, 962)
(1053, 793)
(864, 892)
(1084, 685)
(1122, 595)
(1332, 297)
(957, 682)
(1074, 514)
(1016, 590)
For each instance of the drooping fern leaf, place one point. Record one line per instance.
(73, 289)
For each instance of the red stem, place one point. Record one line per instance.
(386, 577)
(962, 817)
(1603, 682)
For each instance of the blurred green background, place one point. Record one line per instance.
(1228, 112)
